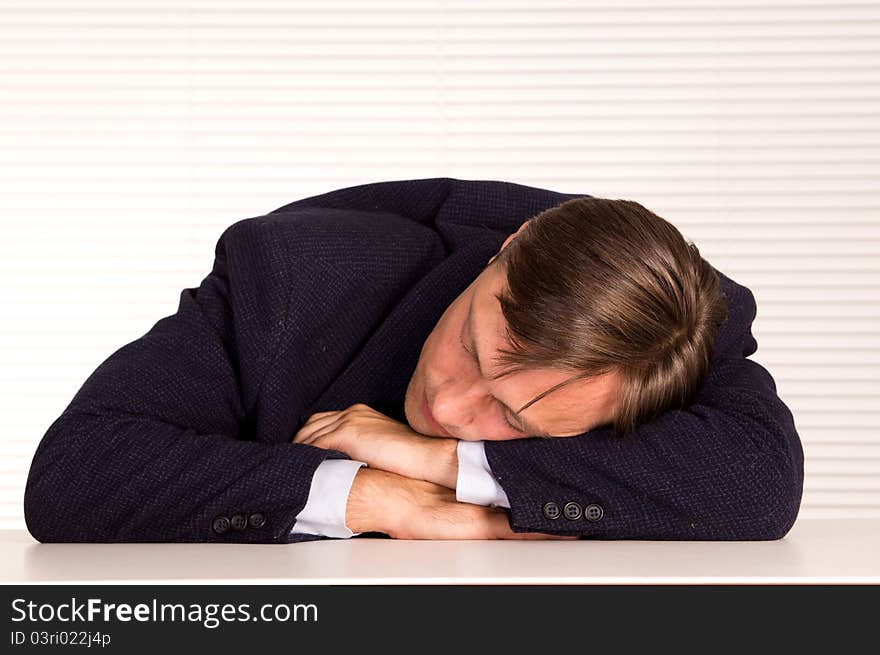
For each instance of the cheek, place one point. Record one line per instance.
(437, 366)
(443, 354)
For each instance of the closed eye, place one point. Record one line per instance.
(503, 413)
(507, 420)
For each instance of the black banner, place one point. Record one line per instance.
(143, 618)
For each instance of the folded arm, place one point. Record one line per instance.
(159, 443)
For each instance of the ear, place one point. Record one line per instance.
(508, 240)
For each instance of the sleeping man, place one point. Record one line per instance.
(432, 359)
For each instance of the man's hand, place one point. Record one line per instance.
(402, 508)
(369, 436)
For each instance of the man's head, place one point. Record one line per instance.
(594, 312)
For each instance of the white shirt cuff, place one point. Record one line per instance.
(324, 513)
(475, 483)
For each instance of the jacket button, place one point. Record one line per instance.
(572, 511)
(257, 520)
(220, 524)
(551, 510)
(594, 512)
(238, 522)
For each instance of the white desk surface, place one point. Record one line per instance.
(815, 551)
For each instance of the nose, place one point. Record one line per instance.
(455, 411)
(444, 413)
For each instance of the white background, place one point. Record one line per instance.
(132, 133)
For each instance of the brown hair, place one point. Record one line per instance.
(599, 286)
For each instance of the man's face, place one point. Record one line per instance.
(469, 405)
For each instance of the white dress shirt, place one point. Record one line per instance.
(324, 512)
(475, 483)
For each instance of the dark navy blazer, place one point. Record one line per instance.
(326, 302)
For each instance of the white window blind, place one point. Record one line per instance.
(133, 133)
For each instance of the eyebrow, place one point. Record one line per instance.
(528, 428)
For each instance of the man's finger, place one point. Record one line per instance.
(314, 424)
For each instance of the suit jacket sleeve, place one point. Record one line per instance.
(728, 467)
(165, 436)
